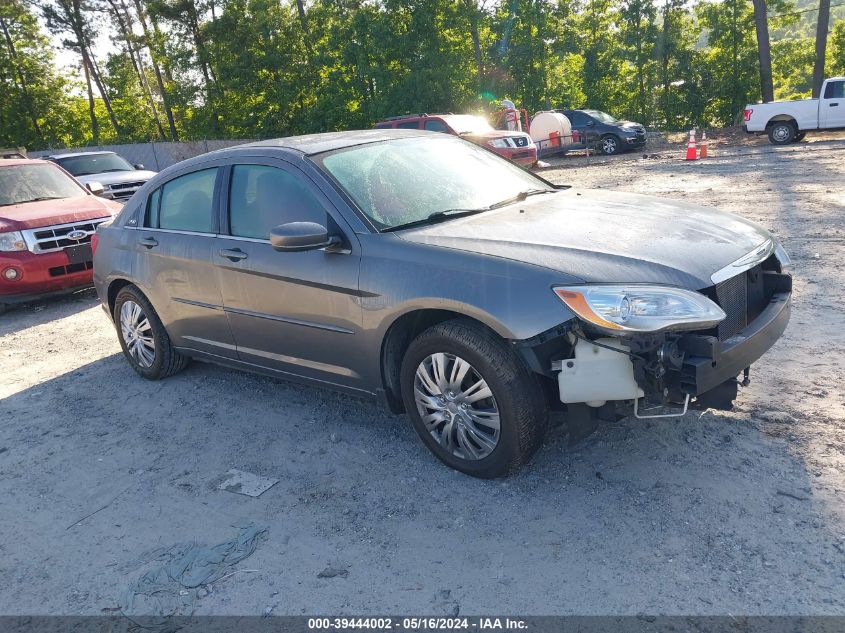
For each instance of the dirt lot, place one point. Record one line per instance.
(740, 513)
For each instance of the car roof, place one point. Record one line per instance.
(318, 143)
(75, 154)
(10, 162)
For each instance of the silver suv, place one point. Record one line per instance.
(118, 177)
(427, 272)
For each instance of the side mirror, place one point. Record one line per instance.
(96, 188)
(590, 123)
(139, 166)
(301, 236)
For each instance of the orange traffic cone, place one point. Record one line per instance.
(702, 151)
(691, 153)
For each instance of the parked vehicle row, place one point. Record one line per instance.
(448, 283)
(789, 121)
(514, 145)
(587, 129)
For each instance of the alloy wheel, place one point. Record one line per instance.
(137, 334)
(608, 145)
(457, 406)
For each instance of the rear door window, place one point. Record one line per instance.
(408, 125)
(185, 203)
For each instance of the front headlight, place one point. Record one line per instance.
(640, 308)
(782, 257)
(499, 143)
(12, 241)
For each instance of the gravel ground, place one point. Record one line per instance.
(714, 513)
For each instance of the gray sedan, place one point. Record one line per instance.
(429, 273)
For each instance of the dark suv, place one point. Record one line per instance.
(599, 130)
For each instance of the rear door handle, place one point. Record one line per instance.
(234, 254)
(149, 242)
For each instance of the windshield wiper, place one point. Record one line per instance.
(440, 216)
(437, 216)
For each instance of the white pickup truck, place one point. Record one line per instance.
(788, 121)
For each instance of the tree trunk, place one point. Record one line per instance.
(472, 8)
(137, 62)
(22, 79)
(165, 98)
(761, 23)
(101, 86)
(78, 26)
(95, 125)
(821, 46)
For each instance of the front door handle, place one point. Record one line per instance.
(149, 242)
(233, 254)
(834, 105)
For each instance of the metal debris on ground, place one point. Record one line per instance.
(244, 483)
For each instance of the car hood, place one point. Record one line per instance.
(118, 177)
(604, 237)
(31, 215)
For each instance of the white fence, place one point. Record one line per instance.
(155, 156)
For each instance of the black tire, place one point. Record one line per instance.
(167, 361)
(610, 145)
(782, 132)
(800, 136)
(522, 408)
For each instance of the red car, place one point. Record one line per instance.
(515, 146)
(46, 223)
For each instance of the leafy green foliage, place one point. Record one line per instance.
(194, 69)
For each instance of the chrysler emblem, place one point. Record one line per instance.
(77, 235)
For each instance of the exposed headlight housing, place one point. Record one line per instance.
(783, 257)
(635, 308)
(12, 241)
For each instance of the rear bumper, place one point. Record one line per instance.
(709, 362)
(40, 274)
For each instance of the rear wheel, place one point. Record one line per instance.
(471, 400)
(143, 338)
(782, 132)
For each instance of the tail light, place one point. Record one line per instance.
(95, 239)
(748, 113)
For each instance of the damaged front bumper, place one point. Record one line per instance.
(695, 369)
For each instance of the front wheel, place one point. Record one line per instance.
(782, 133)
(471, 400)
(143, 338)
(610, 145)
